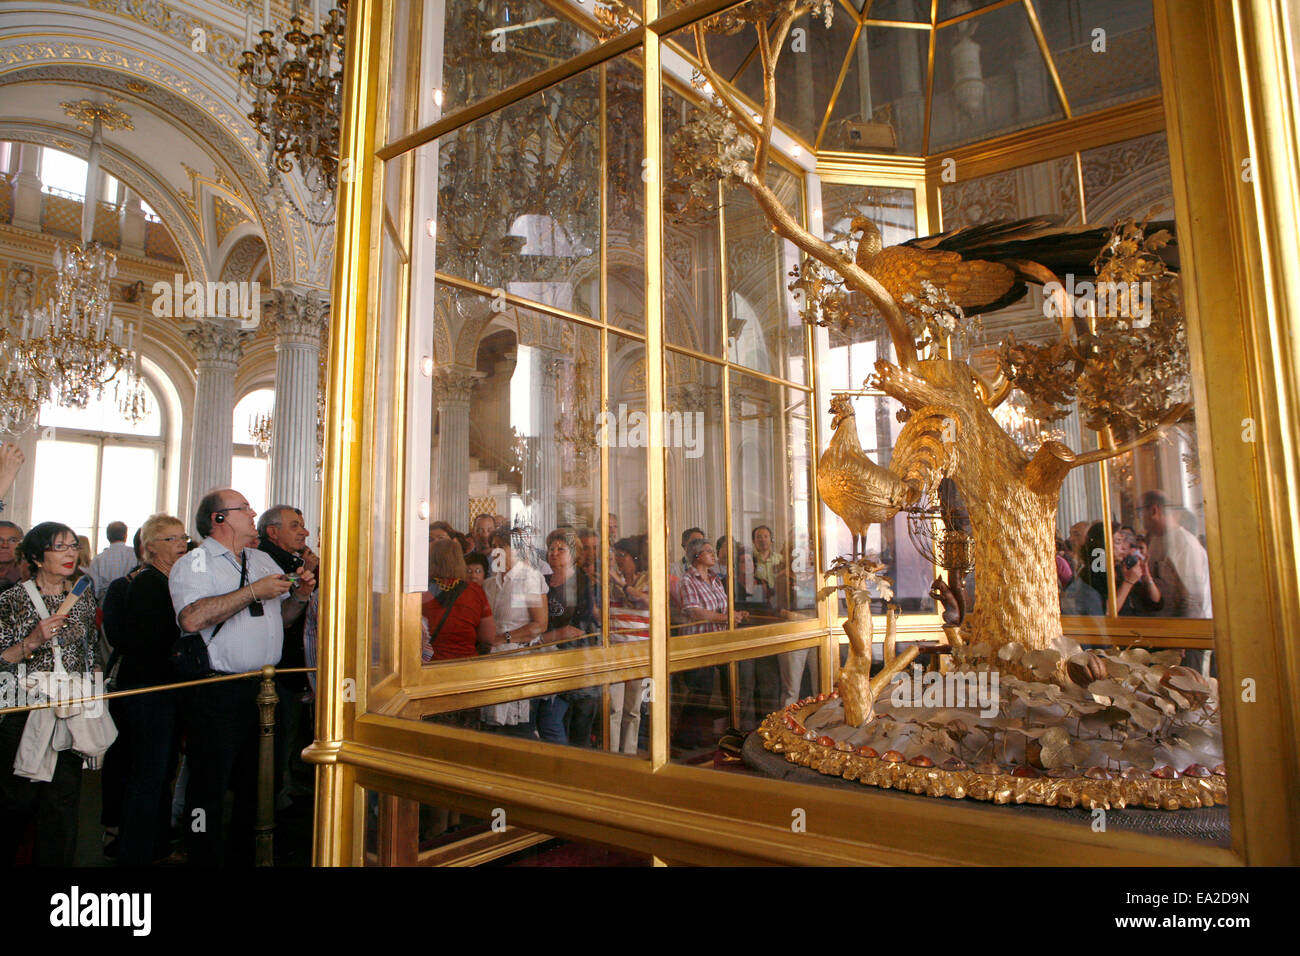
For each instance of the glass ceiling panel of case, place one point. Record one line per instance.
(806, 72)
(909, 11)
(881, 104)
(955, 8)
(989, 79)
(1105, 50)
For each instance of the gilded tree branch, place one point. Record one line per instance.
(738, 111)
(1170, 417)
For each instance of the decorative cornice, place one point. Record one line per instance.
(454, 383)
(217, 343)
(295, 318)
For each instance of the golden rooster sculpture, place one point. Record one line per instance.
(863, 493)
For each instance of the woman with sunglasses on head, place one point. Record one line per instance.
(29, 641)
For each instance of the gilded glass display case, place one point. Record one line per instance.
(627, 293)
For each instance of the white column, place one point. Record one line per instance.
(452, 387)
(298, 320)
(27, 189)
(541, 465)
(218, 345)
(132, 222)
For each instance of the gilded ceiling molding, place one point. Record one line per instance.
(160, 200)
(220, 48)
(211, 119)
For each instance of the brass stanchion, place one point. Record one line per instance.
(265, 829)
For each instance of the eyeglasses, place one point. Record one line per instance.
(13, 541)
(249, 508)
(63, 547)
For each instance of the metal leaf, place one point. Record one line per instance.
(1011, 652)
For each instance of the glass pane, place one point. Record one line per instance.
(955, 8)
(248, 473)
(1129, 179)
(765, 331)
(103, 414)
(1049, 188)
(487, 47)
(1105, 50)
(692, 243)
(909, 11)
(881, 104)
(771, 564)
(258, 402)
(517, 436)
(696, 507)
(519, 197)
(128, 488)
(806, 72)
(1078, 515)
(65, 484)
(624, 124)
(989, 79)
(1157, 501)
(614, 717)
(622, 432)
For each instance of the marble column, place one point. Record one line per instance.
(27, 189)
(217, 345)
(297, 320)
(542, 465)
(132, 222)
(453, 385)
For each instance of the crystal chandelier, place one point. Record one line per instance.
(296, 87)
(133, 397)
(259, 429)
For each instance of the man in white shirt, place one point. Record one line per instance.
(1179, 560)
(239, 600)
(114, 562)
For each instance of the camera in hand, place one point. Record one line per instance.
(1131, 560)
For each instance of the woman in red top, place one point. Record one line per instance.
(457, 615)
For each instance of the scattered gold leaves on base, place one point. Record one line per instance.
(1150, 792)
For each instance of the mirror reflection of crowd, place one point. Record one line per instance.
(1162, 570)
(493, 592)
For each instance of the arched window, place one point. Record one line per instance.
(248, 465)
(93, 466)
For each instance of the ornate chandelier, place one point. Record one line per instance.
(132, 396)
(296, 86)
(259, 429)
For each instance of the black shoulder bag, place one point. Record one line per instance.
(190, 652)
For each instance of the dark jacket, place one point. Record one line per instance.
(293, 654)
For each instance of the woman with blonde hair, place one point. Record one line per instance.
(457, 614)
(151, 721)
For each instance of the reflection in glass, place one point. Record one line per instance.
(805, 73)
(1105, 56)
(519, 197)
(490, 46)
(691, 254)
(1129, 179)
(989, 78)
(765, 331)
(1156, 497)
(881, 104)
(771, 562)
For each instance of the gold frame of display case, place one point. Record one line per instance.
(1228, 79)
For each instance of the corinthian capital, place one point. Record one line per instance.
(454, 383)
(217, 342)
(297, 317)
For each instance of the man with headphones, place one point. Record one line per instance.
(239, 600)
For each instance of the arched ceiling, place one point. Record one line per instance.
(192, 154)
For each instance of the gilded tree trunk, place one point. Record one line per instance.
(1011, 501)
